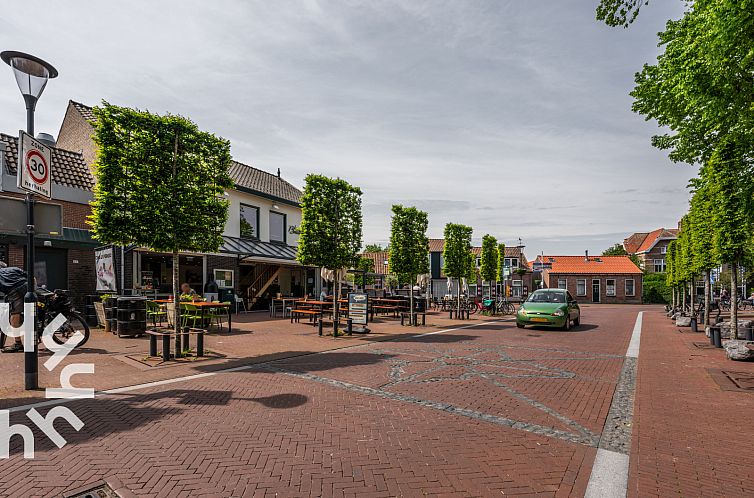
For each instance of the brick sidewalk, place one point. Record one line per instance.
(255, 338)
(482, 411)
(690, 438)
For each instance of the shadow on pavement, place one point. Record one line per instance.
(128, 412)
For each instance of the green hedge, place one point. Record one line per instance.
(655, 290)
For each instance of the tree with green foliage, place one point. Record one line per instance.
(364, 267)
(375, 248)
(619, 12)
(500, 271)
(489, 261)
(409, 246)
(670, 272)
(655, 289)
(619, 250)
(160, 184)
(331, 224)
(456, 253)
(709, 48)
(731, 215)
(702, 243)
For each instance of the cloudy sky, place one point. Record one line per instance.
(510, 116)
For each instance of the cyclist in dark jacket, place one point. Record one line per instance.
(13, 286)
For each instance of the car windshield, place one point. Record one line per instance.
(547, 297)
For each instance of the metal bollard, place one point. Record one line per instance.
(716, 337)
(200, 344)
(166, 347)
(750, 334)
(693, 324)
(319, 325)
(152, 345)
(349, 326)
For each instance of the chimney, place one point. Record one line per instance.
(586, 256)
(278, 172)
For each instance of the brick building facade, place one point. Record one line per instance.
(651, 247)
(593, 279)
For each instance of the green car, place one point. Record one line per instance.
(549, 308)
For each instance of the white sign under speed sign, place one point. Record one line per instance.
(33, 165)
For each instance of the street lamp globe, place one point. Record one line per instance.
(31, 74)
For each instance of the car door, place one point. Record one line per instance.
(573, 307)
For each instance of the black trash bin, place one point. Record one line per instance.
(132, 316)
(111, 313)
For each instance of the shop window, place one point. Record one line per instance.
(610, 287)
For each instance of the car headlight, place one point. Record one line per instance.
(522, 311)
(558, 313)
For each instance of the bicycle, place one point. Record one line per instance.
(49, 306)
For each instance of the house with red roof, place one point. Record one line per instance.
(593, 279)
(651, 247)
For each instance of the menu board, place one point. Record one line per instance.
(357, 307)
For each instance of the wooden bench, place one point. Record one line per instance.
(312, 314)
(384, 310)
(407, 314)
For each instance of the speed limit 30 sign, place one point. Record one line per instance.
(33, 165)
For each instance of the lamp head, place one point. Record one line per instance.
(31, 74)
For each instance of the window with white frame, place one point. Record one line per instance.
(510, 262)
(610, 287)
(562, 283)
(581, 287)
(630, 287)
(664, 250)
(659, 265)
(517, 289)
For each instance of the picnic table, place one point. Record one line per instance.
(284, 301)
(203, 306)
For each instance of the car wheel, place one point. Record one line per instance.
(519, 325)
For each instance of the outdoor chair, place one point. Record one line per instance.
(190, 314)
(156, 312)
(239, 300)
(218, 316)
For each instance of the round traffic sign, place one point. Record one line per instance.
(37, 167)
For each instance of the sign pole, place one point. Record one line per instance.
(31, 363)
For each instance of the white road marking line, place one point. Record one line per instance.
(609, 477)
(633, 346)
(136, 387)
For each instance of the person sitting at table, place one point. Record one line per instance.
(187, 293)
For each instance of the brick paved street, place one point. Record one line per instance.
(486, 410)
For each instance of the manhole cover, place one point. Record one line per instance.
(743, 380)
(101, 490)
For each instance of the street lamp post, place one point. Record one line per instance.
(32, 74)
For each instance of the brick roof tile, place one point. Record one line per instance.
(68, 168)
(596, 265)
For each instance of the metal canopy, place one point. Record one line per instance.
(257, 248)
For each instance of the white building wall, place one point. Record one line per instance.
(233, 225)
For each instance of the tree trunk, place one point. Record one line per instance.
(177, 302)
(683, 298)
(672, 300)
(734, 301)
(706, 299)
(411, 303)
(692, 292)
(335, 294)
(458, 311)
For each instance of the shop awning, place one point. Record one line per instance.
(256, 248)
(71, 238)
